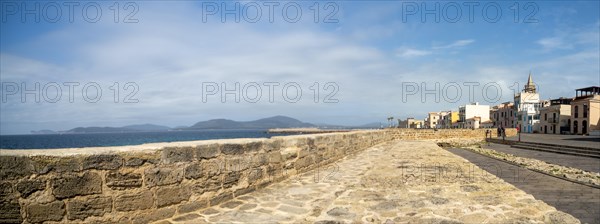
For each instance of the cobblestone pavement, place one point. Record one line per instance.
(400, 181)
(579, 162)
(578, 200)
(570, 140)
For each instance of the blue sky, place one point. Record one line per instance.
(369, 50)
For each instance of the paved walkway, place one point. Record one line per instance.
(400, 181)
(579, 162)
(570, 140)
(578, 200)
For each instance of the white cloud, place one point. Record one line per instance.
(572, 38)
(552, 43)
(409, 53)
(456, 44)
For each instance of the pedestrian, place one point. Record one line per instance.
(503, 134)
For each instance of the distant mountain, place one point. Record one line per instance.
(129, 128)
(44, 132)
(147, 127)
(265, 123)
(97, 130)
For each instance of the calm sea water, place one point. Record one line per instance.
(118, 139)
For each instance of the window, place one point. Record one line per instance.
(585, 110)
(545, 116)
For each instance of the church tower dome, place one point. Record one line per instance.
(530, 86)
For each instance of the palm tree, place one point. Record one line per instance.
(390, 119)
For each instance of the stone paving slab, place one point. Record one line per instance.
(579, 162)
(395, 182)
(568, 140)
(579, 200)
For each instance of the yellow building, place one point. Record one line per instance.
(585, 111)
(556, 118)
(450, 118)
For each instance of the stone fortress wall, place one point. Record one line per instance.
(144, 183)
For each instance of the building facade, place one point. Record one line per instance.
(585, 111)
(410, 123)
(503, 115)
(556, 118)
(471, 111)
(450, 119)
(527, 105)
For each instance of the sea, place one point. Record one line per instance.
(53, 141)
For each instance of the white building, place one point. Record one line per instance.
(527, 106)
(469, 112)
(435, 119)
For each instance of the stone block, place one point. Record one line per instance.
(162, 213)
(260, 159)
(139, 159)
(303, 152)
(303, 162)
(46, 164)
(193, 171)
(6, 189)
(275, 171)
(134, 201)
(243, 191)
(289, 153)
(207, 151)
(102, 162)
(177, 154)
(192, 206)
(54, 211)
(162, 176)
(71, 185)
(231, 179)
(27, 187)
(166, 196)
(254, 175)
(237, 164)
(213, 184)
(120, 181)
(10, 212)
(14, 167)
(133, 162)
(211, 168)
(272, 145)
(253, 146)
(232, 149)
(220, 198)
(82, 208)
(275, 157)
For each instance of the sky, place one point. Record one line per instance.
(174, 63)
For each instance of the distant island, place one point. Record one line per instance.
(265, 123)
(129, 128)
(214, 124)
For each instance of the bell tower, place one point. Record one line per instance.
(529, 87)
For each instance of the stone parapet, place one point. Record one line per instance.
(144, 183)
